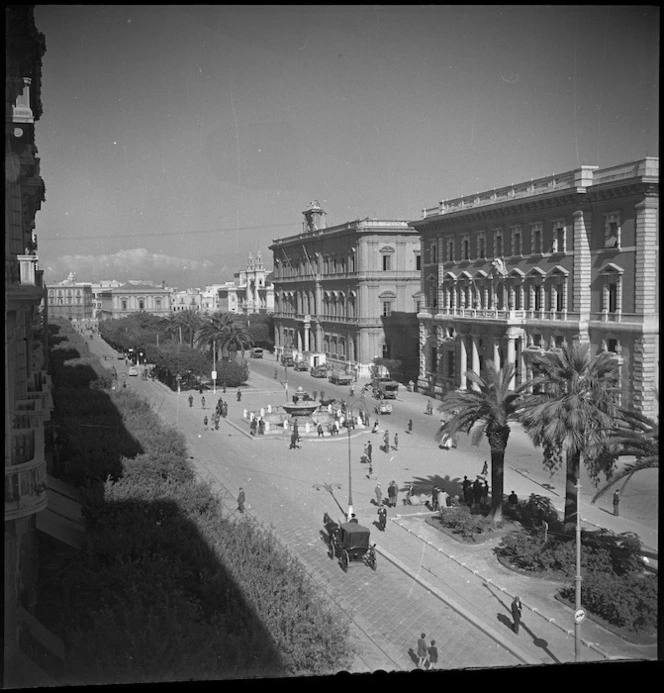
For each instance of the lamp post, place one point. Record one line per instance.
(178, 377)
(349, 414)
(578, 612)
(214, 366)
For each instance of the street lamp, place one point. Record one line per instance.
(579, 614)
(214, 366)
(178, 377)
(349, 414)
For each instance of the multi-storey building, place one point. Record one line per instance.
(536, 264)
(131, 298)
(253, 287)
(348, 291)
(71, 300)
(187, 299)
(27, 387)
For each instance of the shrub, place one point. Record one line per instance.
(627, 601)
(462, 521)
(232, 373)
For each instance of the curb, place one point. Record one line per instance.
(493, 634)
(535, 610)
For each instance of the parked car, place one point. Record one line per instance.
(287, 361)
(319, 371)
(256, 353)
(383, 407)
(339, 378)
(301, 366)
(133, 371)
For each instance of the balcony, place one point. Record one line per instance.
(632, 318)
(518, 316)
(25, 471)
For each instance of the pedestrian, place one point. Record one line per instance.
(442, 499)
(261, 426)
(202, 402)
(616, 503)
(223, 387)
(467, 486)
(224, 409)
(485, 493)
(386, 441)
(369, 451)
(433, 656)
(370, 474)
(239, 394)
(382, 518)
(422, 651)
(240, 500)
(200, 389)
(396, 441)
(191, 401)
(379, 494)
(485, 469)
(321, 432)
(513, 499)
(391, 496)
(293, 440)
(375, 427)
(517, 608)
(252, 426)
(477, 491)
(205, 422)
(410, 425)
(216, 421)
(434, 498)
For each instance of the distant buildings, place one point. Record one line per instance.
(530, 266)
(348, 291)
(71, 300)
(131, 298)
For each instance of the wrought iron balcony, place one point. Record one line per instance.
(25, 469)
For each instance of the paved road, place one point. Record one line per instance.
(453, 598)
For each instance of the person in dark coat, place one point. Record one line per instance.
(517, 608)
(485, 493)
(369, 450)
(205, 422)
(422, 651)
(382, 518)
(239, 395)
(202, 402)
(616, 503)
(477, 491)
(467, 486)
(392, 494)
(410, 425)
(191, 401)
(434, 498)
(252, 426)
(433, 656)
(240, 500)
(513, 499)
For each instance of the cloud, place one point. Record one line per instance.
(134, 263)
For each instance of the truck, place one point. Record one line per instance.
(340, 378)
(385, 389)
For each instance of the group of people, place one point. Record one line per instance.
(438, 498)
(475, 492)
(427, 655)
(257, 425)
(386, 441)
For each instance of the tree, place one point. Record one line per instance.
(635, 435)
(571, 410)
(190, 321)
(225, 332)
(488, 410)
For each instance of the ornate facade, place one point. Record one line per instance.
(533, 265)
(71, 300)
(27, 387)
(348, 291)
(133, 298)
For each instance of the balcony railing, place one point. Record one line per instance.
(495, 314)
(632, 318)
(28, 269)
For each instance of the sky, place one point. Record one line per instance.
(177, 139)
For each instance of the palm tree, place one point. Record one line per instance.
(226, 332)
(170, 325)
(635, 435)
(190, 322)
(493, 405)
(570, 411)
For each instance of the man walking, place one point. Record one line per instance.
(240, 500)
(422, 651)
(477, 491)
(202, 402)
(369, 451)
(396, 441)
(466, 486)
(382, 518)
(205, 422)
(386, 441)
(191, 401)
(485, 493)
(517, 607)
(434, 498)
(379, 494)
(410, 425)
(616, 503)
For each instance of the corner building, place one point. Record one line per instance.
(348, 291)
(530, 266)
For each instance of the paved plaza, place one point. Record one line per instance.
(425, 582)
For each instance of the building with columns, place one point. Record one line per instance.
(253, 287)
(530, 266)
(348, 291)
(130, 298)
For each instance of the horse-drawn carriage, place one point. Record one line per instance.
(348, 542)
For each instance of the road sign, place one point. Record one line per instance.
(214, 375)
(579, 615)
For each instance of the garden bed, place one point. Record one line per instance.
(478, 531)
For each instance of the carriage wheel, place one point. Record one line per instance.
(372, 559)
(345, 559)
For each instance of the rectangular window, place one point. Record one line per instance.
(559, 299)
(481, 246)
(558, 340)
(465, 248)
(516, 240)
(498, 243)
(418, 262)
(612, 345)
(450, 250)
(434, 253)
(612, 230)
(559, 237)
(387, 263)
(536, 239)
(613, 297)
(387, 308)
(386, 350)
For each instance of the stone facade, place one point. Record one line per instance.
(348, 291)
(129, 299)
(533, 265)
(71, 300)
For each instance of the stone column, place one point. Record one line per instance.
(496, 352)
(306, 335)
(511, 354)
(475, 357)
(463, 361)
